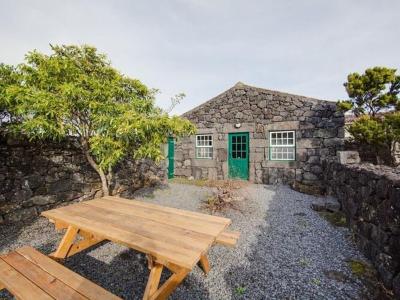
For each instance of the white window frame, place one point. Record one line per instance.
(287, 145)
(199, 146)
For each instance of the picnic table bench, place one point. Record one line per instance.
(28, 274)
(172, 238)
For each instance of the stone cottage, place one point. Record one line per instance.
(259, 135)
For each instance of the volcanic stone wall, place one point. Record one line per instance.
(38, 176)
(317, 124)
(370, 197)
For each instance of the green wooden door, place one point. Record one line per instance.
(238, 160)
(171, 154)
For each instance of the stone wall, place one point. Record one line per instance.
(318, 126)
(38, 176)
(370, 197)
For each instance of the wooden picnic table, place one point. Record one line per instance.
(173, 238)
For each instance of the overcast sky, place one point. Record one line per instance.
(203, 47)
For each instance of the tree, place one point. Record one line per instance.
(7, 77)
(374, 91)
(75, 91)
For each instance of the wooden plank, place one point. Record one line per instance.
(153, 282)
(75, 281)
(66, 243)
(162, 217)
(82, 245)
(228, 238)
(170, 285)
(179, 256)
(48, 283)
(171, 210)
(204, 264)
(18, 285)
(183, 238)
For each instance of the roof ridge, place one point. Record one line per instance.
(240, 84)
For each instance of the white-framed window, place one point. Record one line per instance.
(282, 145)
(204, 146)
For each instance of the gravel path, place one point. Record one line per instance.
(286, 251)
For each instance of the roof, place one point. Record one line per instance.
(241, 85)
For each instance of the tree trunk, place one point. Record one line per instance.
(95, 166)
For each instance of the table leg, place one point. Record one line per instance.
(153, 292)
(69, 247)
(66, 243)
(154, 280)
(170, 285)
(204, 263)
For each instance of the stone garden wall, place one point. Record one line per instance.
(38, 176)
(370, 197)
(318, 126)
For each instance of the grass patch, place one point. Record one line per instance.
(316, 281)
(367, 274)
(196, 182)
(361, 269)
(303, 262)
(337, 219)
(232, 184)
(240, 290)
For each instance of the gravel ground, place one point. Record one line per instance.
(285, 251)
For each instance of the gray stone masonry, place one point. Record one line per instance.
(318, 126)
(38, 176)
(370, 197)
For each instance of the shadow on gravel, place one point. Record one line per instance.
(126, 274)
(290, 257)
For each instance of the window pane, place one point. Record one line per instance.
(273, 135)
(239, 139)
(284, 135)
(239, 147)
(290, 135)
(244, 154)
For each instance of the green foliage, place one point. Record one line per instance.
(240, 290)
(368, 130)
(379, 134)
(375, 90)
(75, 91)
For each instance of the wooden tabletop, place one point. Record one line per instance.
(174, 235)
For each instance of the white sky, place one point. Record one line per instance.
(203, 47)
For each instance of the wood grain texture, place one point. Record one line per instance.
(18, 285)
(204, 264)
(228, 238)
(172, 235)
(52, 269)
(173, 238)
(154, 281)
